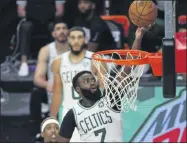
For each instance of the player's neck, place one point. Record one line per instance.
(77, 58)
(87, 103)
(61, 47)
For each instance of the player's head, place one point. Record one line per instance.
(60, 30)
(50, 129)
(86, 86)
(76, 40)
(86, 7)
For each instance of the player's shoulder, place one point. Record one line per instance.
(65, 54)
(56, 63)
(57, 59)
(44, 49)
(43, 53)
(47, 47)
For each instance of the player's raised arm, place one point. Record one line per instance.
(41, 68)
(67, 127)
(136, 45)
(57, 88)
(139, 35)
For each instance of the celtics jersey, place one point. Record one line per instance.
(98, 123)
(67, 71)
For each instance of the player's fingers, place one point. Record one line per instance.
(143, 29)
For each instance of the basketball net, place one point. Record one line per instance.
(120, 87)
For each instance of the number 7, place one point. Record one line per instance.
(103, 132)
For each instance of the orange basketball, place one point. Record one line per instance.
(143, 13)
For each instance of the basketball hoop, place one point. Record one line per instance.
(121, 88)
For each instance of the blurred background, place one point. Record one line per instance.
(16, 124)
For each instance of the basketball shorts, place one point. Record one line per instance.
(62, 112)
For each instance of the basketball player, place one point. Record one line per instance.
(65, 68)
(41, 93)
(48, 53)
(95, 121)
(49, 130)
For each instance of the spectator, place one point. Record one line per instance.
(37, 13)
(7, 29)
(21, 4)
(49, 131)
(98, 34)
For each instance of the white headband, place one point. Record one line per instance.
(49, 121)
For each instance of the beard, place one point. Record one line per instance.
(77, 52)
(61, 41)
(92, 96)
(86, 13)
(61, 38)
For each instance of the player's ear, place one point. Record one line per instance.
(53, 34)
(77, 89)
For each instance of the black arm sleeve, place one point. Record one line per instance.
(68, 125)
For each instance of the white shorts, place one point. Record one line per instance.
(62, 112)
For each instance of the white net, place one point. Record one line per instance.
(121, 82)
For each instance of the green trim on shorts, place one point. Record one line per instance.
(60, 114)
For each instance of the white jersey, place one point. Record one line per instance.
(98, 123)
(68, 70)
(52, 55)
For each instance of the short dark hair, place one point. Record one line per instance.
(77, 28)
(75, 78)
(59, 20)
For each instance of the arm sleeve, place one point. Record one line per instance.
(68, 125)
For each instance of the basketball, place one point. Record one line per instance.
(143, 13)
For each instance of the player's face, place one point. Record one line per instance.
(84, 6)
(88, 87)
(60, 32)
(50, 133)
(76, 41)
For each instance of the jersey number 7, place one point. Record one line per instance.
(103, 134)
(75, 95)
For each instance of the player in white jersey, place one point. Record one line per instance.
(65, 68)
(48, 53)
(94, 119)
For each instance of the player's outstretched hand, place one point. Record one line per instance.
(141, 31)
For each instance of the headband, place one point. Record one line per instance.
(48, 121)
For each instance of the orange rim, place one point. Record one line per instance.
(154, 59)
